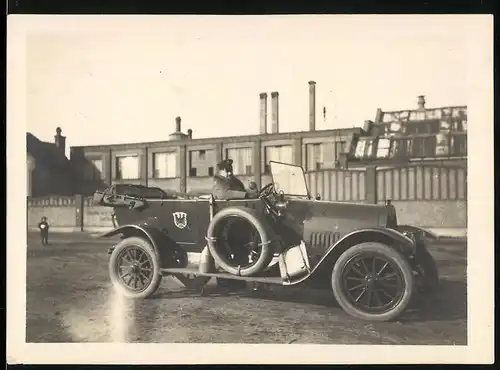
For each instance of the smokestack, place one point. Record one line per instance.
(177, 124)
(60, 141)
(275, 112)
(421, 102)
(312, 106)
(190, 133)
(263, 113)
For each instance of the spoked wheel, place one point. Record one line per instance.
(134, 268)
(371, 281)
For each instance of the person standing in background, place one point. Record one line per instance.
(43, 226)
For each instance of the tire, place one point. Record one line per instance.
(265, 234)
(429, 275)
(142, 252)
(347, 276)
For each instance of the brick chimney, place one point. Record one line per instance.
(190, 133)
(275, 112)
(60, 141)
(263, 112)
(312, 106)
(421, 102)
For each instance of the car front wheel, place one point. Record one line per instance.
(372, 281)
(134, 268)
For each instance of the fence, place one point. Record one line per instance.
(424, 195)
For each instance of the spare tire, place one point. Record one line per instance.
(263, 230)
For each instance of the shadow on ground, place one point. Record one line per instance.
(448, 303)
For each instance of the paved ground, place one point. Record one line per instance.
(69, 300)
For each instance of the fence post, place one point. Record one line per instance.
(79, 212)
(371, 185)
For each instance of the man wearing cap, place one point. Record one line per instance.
(228, 186)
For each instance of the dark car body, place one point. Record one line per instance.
(326, 229)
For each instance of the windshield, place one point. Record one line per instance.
(289, 179)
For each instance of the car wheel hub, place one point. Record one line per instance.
(372, 283)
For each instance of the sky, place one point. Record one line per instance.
(110, 80)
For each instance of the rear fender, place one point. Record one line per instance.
(390, 237)
(153, 235)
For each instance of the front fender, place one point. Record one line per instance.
(390, 237)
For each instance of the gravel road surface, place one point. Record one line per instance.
(69, 299)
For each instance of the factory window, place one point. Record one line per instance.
(127, 167)
(383, 147)
(200, 162)
(442, 145)
(424, 146)
(360, 149)
(323, 155)
(364, 148)
(315, 155)
(93, 170)
(423, 127)
(340, 147)
(401, 148)
(165, 165)
(242, 160)
(370, 145)
(281, 153)
(459, 145)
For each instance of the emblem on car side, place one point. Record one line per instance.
(180, 219)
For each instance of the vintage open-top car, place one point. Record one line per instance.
(283, 236)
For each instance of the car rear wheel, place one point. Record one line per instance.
(134, 268)
(372, 281)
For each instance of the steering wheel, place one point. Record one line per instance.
(266, 190)
(270, 205)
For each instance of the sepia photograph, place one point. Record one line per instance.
(233, 185)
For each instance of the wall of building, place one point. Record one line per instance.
(60, 212)
(188, 156)
(428, 196)
(432, 214)
(97, 218)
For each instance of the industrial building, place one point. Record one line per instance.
(184, 163)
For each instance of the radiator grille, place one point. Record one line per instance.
(323, 239)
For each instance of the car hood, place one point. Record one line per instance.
(337, 217)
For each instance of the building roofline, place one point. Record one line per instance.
(430, 108)
(221, 139)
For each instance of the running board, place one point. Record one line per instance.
(223, 275)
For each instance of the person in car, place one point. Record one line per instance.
(227, 186)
